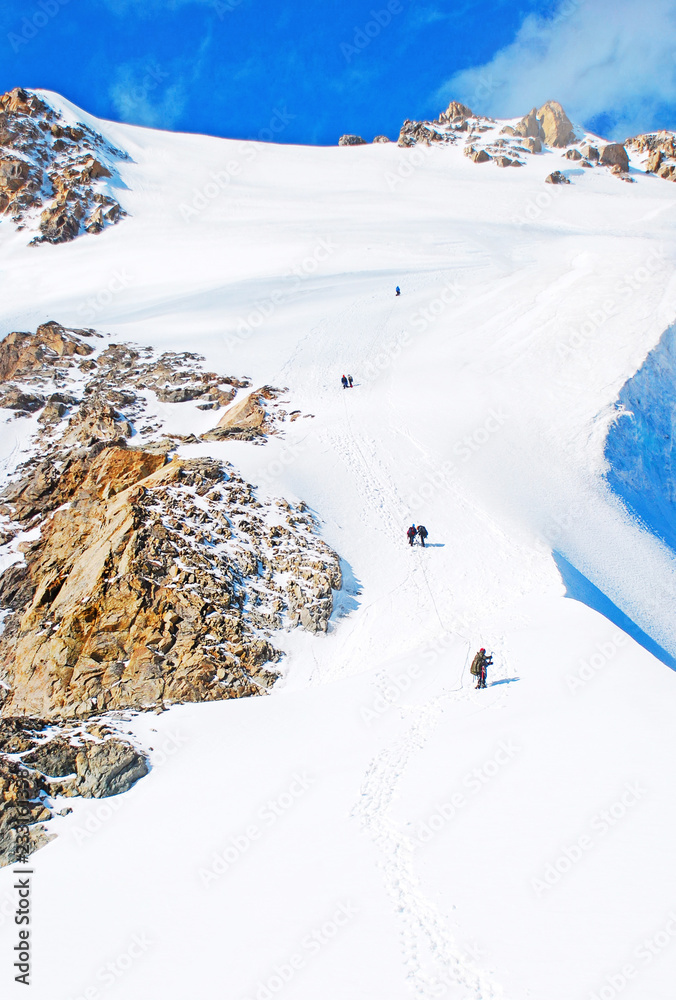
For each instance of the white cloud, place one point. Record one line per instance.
(594, 56)
(148, 96)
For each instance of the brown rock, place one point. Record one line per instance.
(351, 140)
(456, 110)
(244, 420)
(532, 144)
(380, 138)
(573, 154)
(589, 151)
(615, 155)
(557, 178)
(530, 126)
(556, 126)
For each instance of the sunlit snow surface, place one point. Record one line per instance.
(377, 829)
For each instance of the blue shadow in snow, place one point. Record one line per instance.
(641, 443)
(507, 680)
(581, 589)
(345, 599)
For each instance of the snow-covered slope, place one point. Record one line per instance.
(377, 828)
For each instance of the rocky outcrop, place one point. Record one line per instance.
(247, 419)
(351, 140)
(614, 155)
(556, 178)
(589, 152)
(89, 760)
(660, 148)
(454, 111)
(48, 164)
(109, 767)
(151, 582)
(573, 154)
(380, 138)
(529, 127)
(476, 155)
(557, 128)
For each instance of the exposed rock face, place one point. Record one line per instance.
(573, 154)
(557, 128)
(413, 133)
(91, 761)
(476, 155)
(152, 582)
(530, 126)
(533, 145)
(107, 768)
(456, 110)
(614, 154)
(661, 150)
(589, 152)
(380, 138)
(557, 178)
(351, 140)
(247, 419)
(46, 163)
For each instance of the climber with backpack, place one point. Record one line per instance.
(411, 534)
(397, 290)
(422, 534)
(479, 667)
(344, 381)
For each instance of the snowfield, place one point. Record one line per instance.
(377, 829)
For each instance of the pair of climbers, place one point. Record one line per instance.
(480, 665)
(419, 532)
(347, 382)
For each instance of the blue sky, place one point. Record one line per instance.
(308, 72)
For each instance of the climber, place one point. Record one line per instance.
(397, 290)
(344, 381)
(411, 533)
(479, 667)
(349, 379)
(422, 534)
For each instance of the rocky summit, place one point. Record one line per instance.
(55, 176)
(138, 580)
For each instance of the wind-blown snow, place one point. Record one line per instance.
(377, 828)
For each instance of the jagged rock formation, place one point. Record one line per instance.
(557, 128)
(351, 140)
(49, 165)
(380, 138)
(556, 178)
(88, 760)
(614, 155)
(151, 582)
(146, 581)
(247, 419)
(659, 149)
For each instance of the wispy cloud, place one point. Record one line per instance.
(600, 58)
(147, 93)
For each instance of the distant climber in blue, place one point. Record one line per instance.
(397, 290)
(344, 381)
